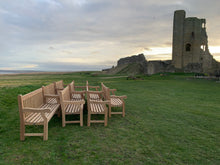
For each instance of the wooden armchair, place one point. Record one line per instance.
(96, 107)
(76, 95)
(59, 86)
(50, 95)
(93, 95)
(70, 107)
(115, 101)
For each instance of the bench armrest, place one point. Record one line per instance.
(36, 110)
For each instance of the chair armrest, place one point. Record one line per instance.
(113, 91)
(50, 95)
(96, 87)
(120, 97)
(36, 110)
(99, 102)
(59, 88)
(82, 87)
(94, 92)
(78, 92)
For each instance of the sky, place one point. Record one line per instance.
(78, 35)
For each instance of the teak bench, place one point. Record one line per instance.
(34, 110)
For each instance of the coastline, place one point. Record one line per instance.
(8, 73)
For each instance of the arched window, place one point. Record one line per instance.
(188, 47)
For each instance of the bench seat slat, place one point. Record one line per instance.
(36, 118)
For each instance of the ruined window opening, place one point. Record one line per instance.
(203, 47)
(203, 25)
(193, 35)
(188, 47)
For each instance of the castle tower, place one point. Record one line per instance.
(190, 42)
(178, 38)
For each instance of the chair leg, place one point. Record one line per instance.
(106, 118)
(110, 111)
(63, 120)
(81, 117)
(123, 110)
(89, 119)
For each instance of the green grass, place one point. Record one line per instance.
(169, 119)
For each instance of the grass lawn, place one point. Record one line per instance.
(169, 120)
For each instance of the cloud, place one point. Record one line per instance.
(44, 30)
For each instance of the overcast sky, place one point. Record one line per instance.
(70, 35)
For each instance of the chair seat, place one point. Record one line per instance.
(116, 102)
(72, 109)
(94, 96)
(97, 108)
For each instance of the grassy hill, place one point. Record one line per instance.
(172, 119)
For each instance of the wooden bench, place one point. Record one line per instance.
(115, 101)
(35, 111)
(96, 107)
(70, 107)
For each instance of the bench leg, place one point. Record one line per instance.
(22, 131)
(45, 130)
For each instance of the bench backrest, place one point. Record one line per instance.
(33, 99)
(106, 92)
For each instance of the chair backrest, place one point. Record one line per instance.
(49, 89)
(59, 85)
(65, 94)
(72, 86)
(87, 85)
(106, 92)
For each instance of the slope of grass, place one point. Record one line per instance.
(169, 120)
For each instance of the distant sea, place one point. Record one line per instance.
(16, 71)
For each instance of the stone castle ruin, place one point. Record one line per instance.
(190, 45)
(190, 51)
